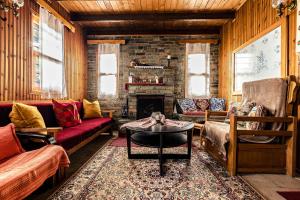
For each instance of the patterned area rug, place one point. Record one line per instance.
(110, 175)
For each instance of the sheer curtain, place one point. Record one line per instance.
(198, 70)
(53, 80)
(108, 70)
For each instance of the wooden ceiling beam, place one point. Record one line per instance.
(154, 16)
(213, 30)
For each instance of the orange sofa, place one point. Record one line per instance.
(23, 172)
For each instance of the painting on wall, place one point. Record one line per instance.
(260, 59)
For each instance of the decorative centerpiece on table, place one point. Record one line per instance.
(155, 118)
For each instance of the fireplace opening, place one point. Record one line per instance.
(146, 104)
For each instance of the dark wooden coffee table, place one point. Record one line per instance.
(160, 136)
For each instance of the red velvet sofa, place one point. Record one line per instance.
(71, 138)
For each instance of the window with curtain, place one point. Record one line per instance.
(108, 70)
(197, 70)
(48, 66)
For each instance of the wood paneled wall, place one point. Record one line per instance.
(252, 19)
(16, 58)
(76, 62)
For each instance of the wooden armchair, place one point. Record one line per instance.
(244, 157)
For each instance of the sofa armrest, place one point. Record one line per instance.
(46, 138)
(209, 113)
(50, 131)
(109, 112)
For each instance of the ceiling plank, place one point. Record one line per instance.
(213, 30)
(152, 16)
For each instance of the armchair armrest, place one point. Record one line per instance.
(289, 133)
(50, 131)
(46, 138)
(109, 112)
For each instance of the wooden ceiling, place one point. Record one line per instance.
(153, 16)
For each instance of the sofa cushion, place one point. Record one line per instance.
(26, 116)
(257, 111)
(45, 108)
(202, 104)
(9, 143)
(66, 114)
(240, 109)
(71, 136)
(91, 109)
(24, 173)
(217, 104)
(186, 105)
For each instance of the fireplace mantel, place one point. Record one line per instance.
(143, 84)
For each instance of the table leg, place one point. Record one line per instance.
(128, 134)
(190, 139)
(161, 155)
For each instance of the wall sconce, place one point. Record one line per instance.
(169, 59)
(280, 5)
(14, 6)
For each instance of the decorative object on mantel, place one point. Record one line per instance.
(281, 5)
(14, 6)
(130, 78)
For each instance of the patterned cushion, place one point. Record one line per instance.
(187, 105)
(239, 109)
(66, 114)
(202, 104)
(257, 111)
(217, 104)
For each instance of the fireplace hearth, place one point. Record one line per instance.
(146, 104)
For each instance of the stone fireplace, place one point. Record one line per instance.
(152, 50)
(146, 104)
(162, 93)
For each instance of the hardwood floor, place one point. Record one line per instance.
(268, 184)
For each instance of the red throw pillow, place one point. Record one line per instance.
(9, 142)
(66, 114)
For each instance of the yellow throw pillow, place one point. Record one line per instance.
(25, 116)
(91, 109)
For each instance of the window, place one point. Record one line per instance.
(197, 72)
(48, 66)
(108, 70)
(258, 60)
